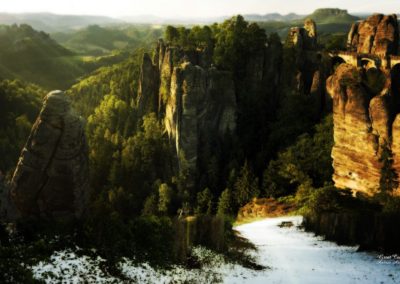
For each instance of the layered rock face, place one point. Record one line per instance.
(365, 108)
(378, 34)
(355, 152)
(363, 126)
(148, 87)
(51, 178)
(195, 100)
(201, 104)
(198, 103)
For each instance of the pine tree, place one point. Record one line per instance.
(246, 185)
(389, 178)
(165, 197)
(204, 202)
(225, 203)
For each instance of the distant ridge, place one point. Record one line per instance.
(332, 16)
(50, 23)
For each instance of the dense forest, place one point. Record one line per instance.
(144, 185)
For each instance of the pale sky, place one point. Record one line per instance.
(192, 8)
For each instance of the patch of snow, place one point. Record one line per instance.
(293, 256)
(296, 256)
(67, 267)
(213, 270)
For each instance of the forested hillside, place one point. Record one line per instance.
(19, 106)
(164, 135)
(96, 40)
(33, 56)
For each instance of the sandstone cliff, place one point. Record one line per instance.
(365, 108)
(378, 34)
(148, 87)
(51, 178)
(200, 104)
(196, 101)
(363, 125)
(313, 66)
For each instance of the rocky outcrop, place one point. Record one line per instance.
(166, 58)
(304, 38)
(313, 66)
(148, 87)
(355, 151)
(378, 34)
(363, 126)
(310, 38)
(202, 103)
(51, 178)
(196, 101)
(396, 146)
(365, 107)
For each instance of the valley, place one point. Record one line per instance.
(161, 139)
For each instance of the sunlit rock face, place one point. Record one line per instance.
(364, 123)
(355, 151)
(366, 107)
(378, 34)
(51, 178)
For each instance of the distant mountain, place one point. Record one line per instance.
(332, 16)
(96, 40)
(35, 57)
(273, 17)
(328, 20)
(55, 23)
(150, 19)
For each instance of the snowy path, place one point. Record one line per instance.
(295, 256)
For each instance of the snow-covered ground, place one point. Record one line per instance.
(292, 255)
(295, 256)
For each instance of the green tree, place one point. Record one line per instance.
(389, 179)
(225, 203)
(171, 34)
(204, 202)
(164, 199)
(150, 206)
(308, 160)
(246, 185)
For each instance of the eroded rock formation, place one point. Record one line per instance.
(363, 127)
(365, 107)
(51, 178)
(355, 152)
(313, 66)
(202, 104)
(304, 38)
(148, 87)
(378, 34)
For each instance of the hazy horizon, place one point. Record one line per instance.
(191, 8)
